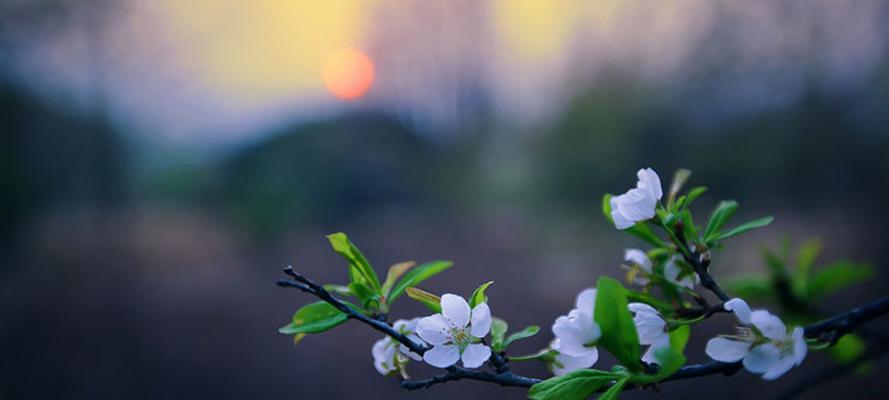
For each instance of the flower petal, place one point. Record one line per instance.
(586, 301)
(660, 342)
(475, 355)
(434, 330)
(637, 205)
(762, 358)
(481, 321)
(769, 324)
(442, 356)
(571, 335)
(779, 369)
(569, 363)
(740, 308)
(636, 308)
(406, 351)
(382, 357)
(455, 310)
(650, 327)
(649, 181)
(726, 350)
(638, 257)
(620, 222)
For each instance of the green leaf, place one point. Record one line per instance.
(757, 290)
(679, 338)
(576, 385)
(618, 330)
(848, 349)
(614, 390)
(365, 294)
(314, 318)
(757, 223)
(478, 296)
(338, 289)
(723, 211)
(522, 334)
(688, 227)
(358, 265)
(641, 230)
(546, 355)
(395, 272)
(670, 361)
(692, 195)
(837, 276)
(417, 275)
(431, 301)
(498, 331)
(805, 260)
(776, 264)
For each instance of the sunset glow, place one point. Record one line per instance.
(348, 74)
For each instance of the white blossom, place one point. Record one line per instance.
(455, 334)
(675, 273)
(564, 363)
(762, 341)
(652, 330)
(637, 204)
(389, 354)
(638, 266)
(577, 334)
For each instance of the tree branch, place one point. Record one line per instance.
(828, 330)
(701, 263)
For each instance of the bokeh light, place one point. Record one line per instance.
(348, 74)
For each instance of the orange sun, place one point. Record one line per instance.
(348, 74)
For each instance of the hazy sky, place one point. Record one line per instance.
(221, 70)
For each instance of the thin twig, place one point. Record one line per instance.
(832, 373)
(829, 329)
(701, 263)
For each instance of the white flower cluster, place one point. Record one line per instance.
(641, 270)
(577, 334)
(762, 341)
(639, 203)
(455, 334)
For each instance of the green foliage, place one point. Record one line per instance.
(835, 277)
(576, 385)
(799, 287)
(498, 332)
(614, 391)
(679, 338)
(314, 318)
(747, 226)
(669, 360)
(848, 349)
(478, 296)
(431, 301)
(529, 331)
(804, 283)
(369, 299)
(692, 195)
(721, 214)
(360, 270)
(618, 330)
(395, 272)
(416, 276)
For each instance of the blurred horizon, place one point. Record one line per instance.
(162, 160)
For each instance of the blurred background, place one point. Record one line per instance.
(160, 161)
